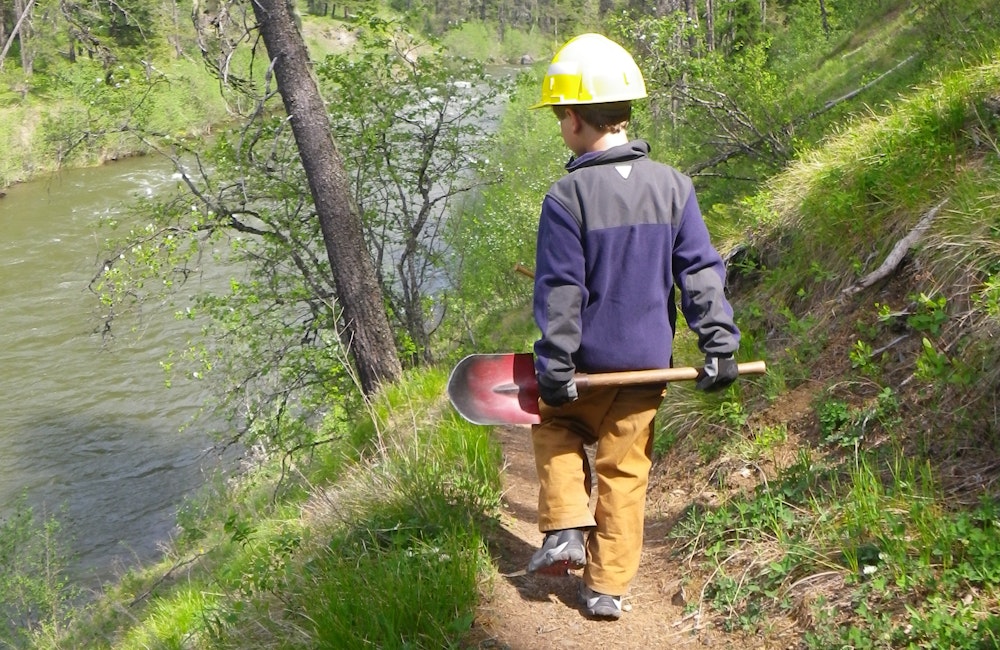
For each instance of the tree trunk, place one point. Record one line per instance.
(710, 25)
(3, 26)
(823, 16)
(691, 7)
(23, 36)
(366, 331)
(175, 37)
(20, 27)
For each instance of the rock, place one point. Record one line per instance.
(527, 59)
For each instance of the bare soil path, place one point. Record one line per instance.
(528, 612)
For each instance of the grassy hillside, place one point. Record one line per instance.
(874, 520)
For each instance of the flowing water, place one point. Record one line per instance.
(89, 431)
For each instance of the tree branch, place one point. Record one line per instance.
(898, 253)
(742, 148)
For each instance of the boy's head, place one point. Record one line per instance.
(593, 71)
(612, 117)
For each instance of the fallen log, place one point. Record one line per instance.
(898, 252)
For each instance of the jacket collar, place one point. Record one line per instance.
(631, 151)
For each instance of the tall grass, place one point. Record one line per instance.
(882, 534)
(380, 548)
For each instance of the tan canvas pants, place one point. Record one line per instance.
(620, 421)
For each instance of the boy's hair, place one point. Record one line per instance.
(611, 117)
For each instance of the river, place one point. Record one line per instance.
(89, 432)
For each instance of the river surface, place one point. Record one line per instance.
(89, 431)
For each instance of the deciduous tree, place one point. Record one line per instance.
(412, 122)
(366, 332)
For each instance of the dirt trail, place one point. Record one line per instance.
(528, 612)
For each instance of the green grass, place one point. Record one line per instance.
(378, 549)
(871, 540)
(477, 40)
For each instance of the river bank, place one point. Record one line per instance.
(47, 126)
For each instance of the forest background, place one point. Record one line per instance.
(833, 143)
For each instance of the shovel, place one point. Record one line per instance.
(502, 389)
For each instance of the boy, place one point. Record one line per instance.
(615, 236)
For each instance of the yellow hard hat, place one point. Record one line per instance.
(591, 69)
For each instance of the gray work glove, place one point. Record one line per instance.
(556, 394)
(719, 372)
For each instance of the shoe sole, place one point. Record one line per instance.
(559, 568)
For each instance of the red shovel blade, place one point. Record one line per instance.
(495, 389)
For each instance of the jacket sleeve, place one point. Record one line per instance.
(559, 292)
(701, 277)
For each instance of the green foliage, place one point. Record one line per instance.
(410, 593)
(988, 297)
(700, 88)
(930, 314)
(876, 520)
(107, 81)
(861, 357)
(36, 595)
(484, 42)
(846, 426)
(174, 623)
(414, 553)
(732, 412)
(410, 119)
(948, 611)
(765, 439)
(937, 367)
(270, 345)
(555, 20)
(384, 549)
(399, 530)
(663, 441)
(472, 40)
(496, 232)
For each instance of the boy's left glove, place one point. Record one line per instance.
(718, 373)
(556, 394)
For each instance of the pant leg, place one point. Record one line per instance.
(623, 461)
(560, 459)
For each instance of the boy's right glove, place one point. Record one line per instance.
(556, 394)
(718, 373)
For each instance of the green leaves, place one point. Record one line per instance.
(414, 124)
(35, 591)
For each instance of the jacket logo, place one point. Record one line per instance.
(624, 170)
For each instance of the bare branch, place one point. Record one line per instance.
(898, 252)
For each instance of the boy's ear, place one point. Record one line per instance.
(576, 124)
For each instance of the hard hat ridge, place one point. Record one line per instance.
(591, 69)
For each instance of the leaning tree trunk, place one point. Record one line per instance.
(366, 330)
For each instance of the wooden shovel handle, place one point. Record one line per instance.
(657, 376)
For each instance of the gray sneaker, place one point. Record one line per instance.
(561, 550)
(597, 605)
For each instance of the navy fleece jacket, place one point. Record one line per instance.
(616, 235)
